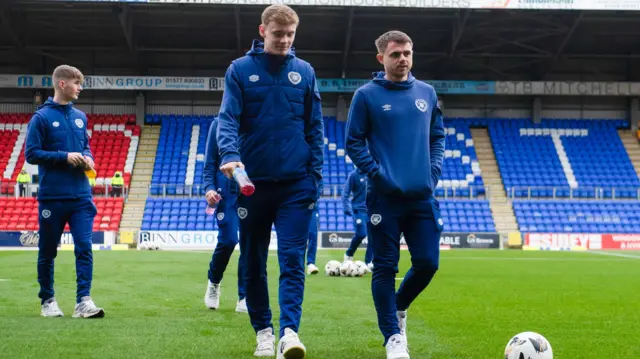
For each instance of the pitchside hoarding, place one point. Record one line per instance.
(31, 239)
(581, 241)
(453, 240)
(204, 240)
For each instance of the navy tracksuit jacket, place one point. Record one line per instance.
(396, 136)
(64, 193)
(356, 208)
(271, 120)
(314, 225)
(226, 212)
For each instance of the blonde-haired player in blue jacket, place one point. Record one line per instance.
(270, 123)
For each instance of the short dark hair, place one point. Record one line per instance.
(391, 36)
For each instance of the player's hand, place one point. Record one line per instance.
(88, 163)
(228, 168)
(75, 159)
(212, 197)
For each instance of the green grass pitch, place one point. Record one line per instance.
(585, 304)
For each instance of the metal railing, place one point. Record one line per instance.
(17, 190)
(630, 193)
(330, 191)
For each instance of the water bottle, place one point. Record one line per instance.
(246, 186)
(210, 210)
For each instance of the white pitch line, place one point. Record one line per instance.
(563, 259)
(399, 278)
(4, 280)
(615, 254)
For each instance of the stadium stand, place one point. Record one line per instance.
(563, 216)
(180, 156)
(179, 163)
(188, 214)
(577, 157)
(21, 214)
(113, 140)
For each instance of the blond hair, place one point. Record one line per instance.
(396, 36)
(281, 14)
(66, 73)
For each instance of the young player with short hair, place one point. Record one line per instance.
(270, 121)
(58, 142)
(395, 135)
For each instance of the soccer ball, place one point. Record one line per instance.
(148, 246)
(528, 345)
(359, 269)
(332, 268)
(345, 268)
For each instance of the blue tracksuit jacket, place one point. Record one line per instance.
(212, 177)
(406, 165)
(53, 132)
(356, 184)
(263, 122)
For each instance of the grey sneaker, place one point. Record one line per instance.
(402, 322)
(212, 296)
(266, 343)
(50, 309)
(87, 309)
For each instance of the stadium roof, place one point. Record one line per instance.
(198, 40)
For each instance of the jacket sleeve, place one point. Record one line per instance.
(357, 132)
(229, 118)
(437, 142)
(314, 127)
(34, 150)
(346, 194)
(320, 189)
(87, 150)
(211, 160)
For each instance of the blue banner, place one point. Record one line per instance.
(168, 83)
(31, 239)
(441, 87)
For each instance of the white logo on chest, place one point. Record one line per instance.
(254, 78)
(386, 107)
(421, 105)
(55, 124)
(79, 123)
(294, 77)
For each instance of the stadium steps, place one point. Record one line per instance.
(140, 179)
(501, 208)
(632, 145)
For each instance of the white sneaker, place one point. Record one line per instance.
(312, 269)
(87, 309)
(347, 258)
(266, 343)
(402, 322)
(370, 267)
(241, 307)
(397, 347)
(290, 346)
(50, 309)
(212, 296)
